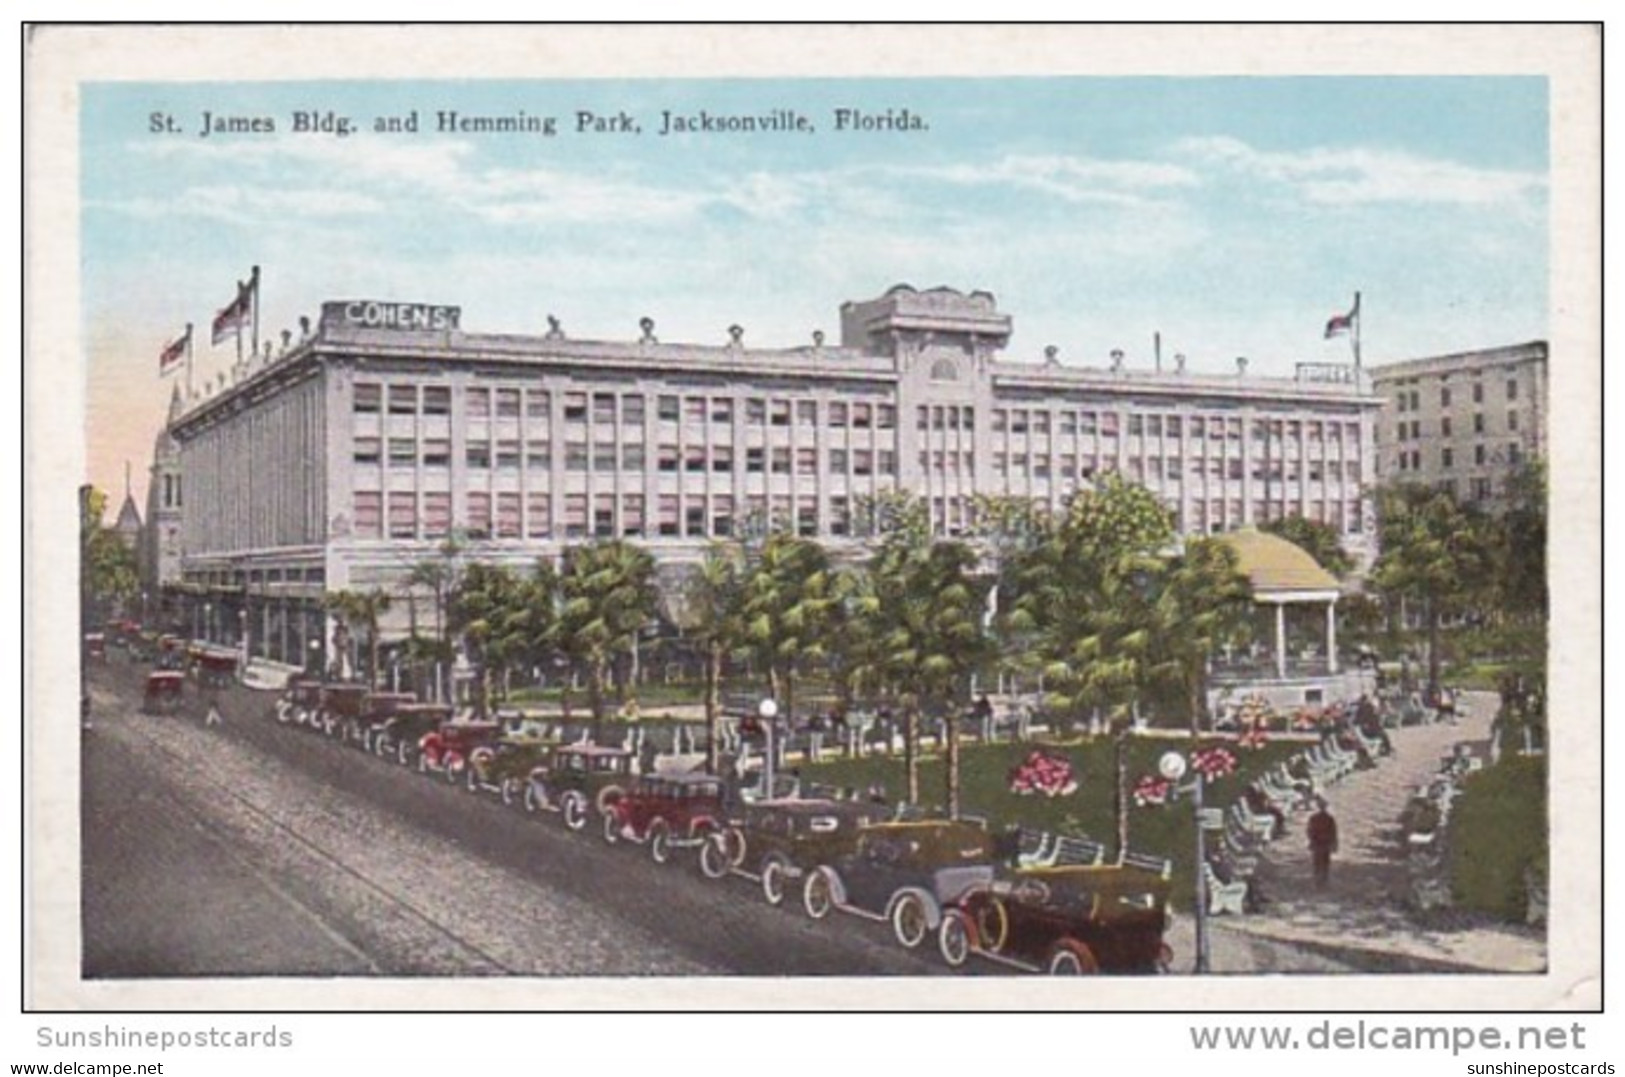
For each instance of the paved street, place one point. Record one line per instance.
(257, 848)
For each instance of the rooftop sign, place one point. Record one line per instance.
(381, 314)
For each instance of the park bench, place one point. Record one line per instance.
(1263, 826)
(1223, 897)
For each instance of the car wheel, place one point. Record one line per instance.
(452, 767)
(380, 745)
(773, 882)
(423, 762)
(733, 844)
(612, 828)
(817, 895)
(954, 938)
(575, 811)
(909, 921)
(473, 777)
(534, 797)
(284, 713)
(1072, 958)
(992, 922)
(607, 796)
(659, 841)
(403, 754)
(714, 856)
(510, 791)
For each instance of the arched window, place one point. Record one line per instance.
(944, 370)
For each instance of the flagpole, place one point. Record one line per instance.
(1356, 334)
(254, 286)
(188, 361)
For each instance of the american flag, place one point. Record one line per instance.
(234, 315)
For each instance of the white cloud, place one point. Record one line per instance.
(1364, 175)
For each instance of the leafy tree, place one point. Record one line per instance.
(789, 598)
(109, 573)
(1435, 553)
(361, 610)
(607, 596)
(1084, 596)
(1521, 545)
(1319, 540)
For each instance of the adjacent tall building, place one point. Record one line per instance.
(351, 456)
(1463, 422)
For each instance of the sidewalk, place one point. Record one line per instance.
(1361, 919)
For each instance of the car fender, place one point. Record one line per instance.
(933, 910)
(837, 886)
(703, 825)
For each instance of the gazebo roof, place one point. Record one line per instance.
(1276, 566)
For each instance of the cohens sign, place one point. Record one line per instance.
(373, 314)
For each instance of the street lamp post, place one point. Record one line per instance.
(315, 658)
(769, 711)
(1173, 766)
(208, 622)
(242, 635)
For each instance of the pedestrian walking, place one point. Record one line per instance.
(212, 717)
(1322, 830)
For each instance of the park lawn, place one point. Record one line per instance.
(1167, 831)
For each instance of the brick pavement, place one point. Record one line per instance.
(1361, 918)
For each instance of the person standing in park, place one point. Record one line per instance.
(1322, 831)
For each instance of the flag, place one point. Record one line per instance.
(174, 352)
(1342, 323)
(233, 315)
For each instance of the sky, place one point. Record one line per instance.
(1233, 216)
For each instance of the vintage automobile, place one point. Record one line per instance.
(1070, 920)
(341, 706)
(576, 779)
(163, 692)
(666, 812)
(904, 873)
(300, 701)
(503, 767)
(775, 842)
(402, 730)
(445, 749)
(215, 667)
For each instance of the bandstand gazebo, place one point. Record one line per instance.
(1283, 574)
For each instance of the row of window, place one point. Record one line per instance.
(608, 408)
(1411, 400)
(1041, 466)
(1412, 429)
(1110, 424)
(511, 515)
(1412, 460)
(510, 454)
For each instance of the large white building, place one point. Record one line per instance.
(356, 452)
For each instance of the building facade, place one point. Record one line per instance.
(358, 451)
(1463, 422)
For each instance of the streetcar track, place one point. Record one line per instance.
(320, 853)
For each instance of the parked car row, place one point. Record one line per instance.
(954, 879)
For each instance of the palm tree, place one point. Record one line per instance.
(439, 575)
(1202, 602)
(713, 596)
(362, 610)
(928, 623)
(608, 595)
(495, 610)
